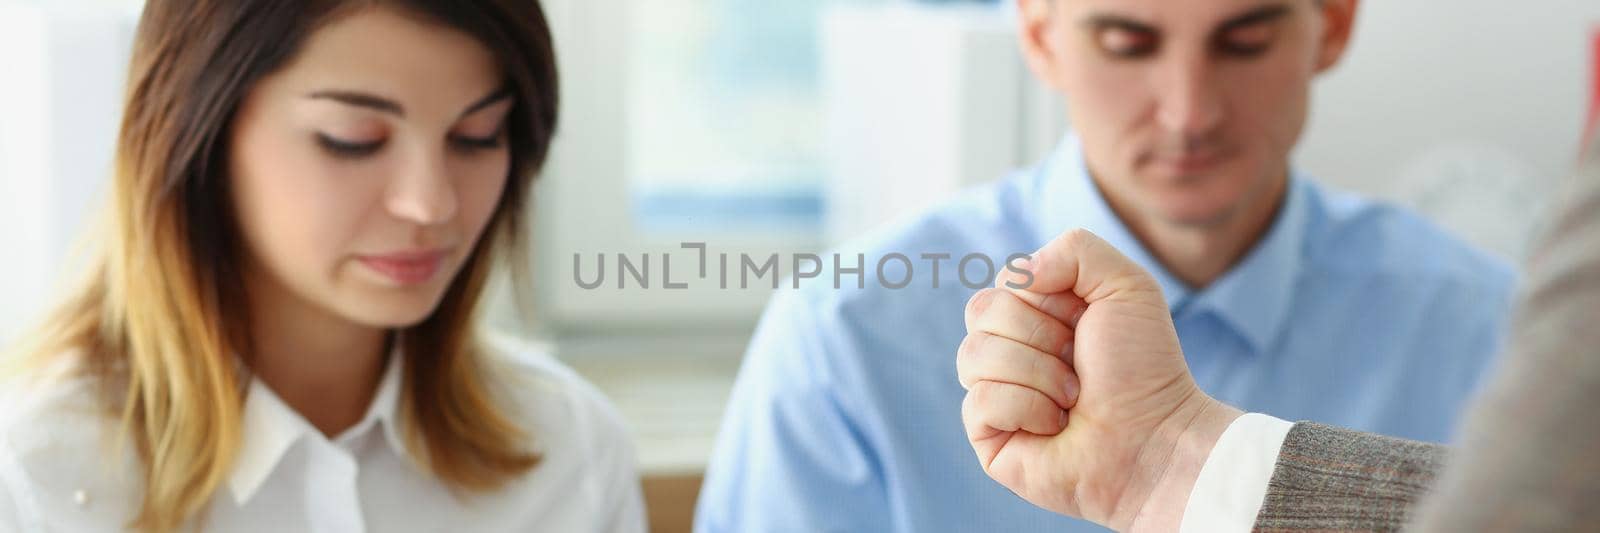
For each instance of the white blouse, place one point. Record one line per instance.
(59, 472)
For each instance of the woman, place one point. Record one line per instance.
(277, 335)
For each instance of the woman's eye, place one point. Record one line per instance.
(471, 144)
(342, 148)
(1126, 43)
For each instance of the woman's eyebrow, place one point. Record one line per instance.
(499, 95)
(372, 101)
(360, 99)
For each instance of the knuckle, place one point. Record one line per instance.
(972, 345)
(1076, 238)
(980, 302)
(982, 394)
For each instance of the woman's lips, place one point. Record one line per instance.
(406, 268)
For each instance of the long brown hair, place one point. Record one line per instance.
(160, 317)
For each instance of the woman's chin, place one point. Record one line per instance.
(391, 311)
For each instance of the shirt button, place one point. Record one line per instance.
(80, 497)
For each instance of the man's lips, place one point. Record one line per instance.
(1189, 163)
(408, 267)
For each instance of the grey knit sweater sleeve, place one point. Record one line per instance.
(1329, 478)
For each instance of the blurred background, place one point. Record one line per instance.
(762, 127)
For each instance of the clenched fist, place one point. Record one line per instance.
(1078, 396)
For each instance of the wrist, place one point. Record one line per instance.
(1186, 441)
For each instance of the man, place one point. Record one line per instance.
(1142, 448)
(844, 417)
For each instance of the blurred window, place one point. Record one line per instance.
(724, 114)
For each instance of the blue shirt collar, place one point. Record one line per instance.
(1252, 298)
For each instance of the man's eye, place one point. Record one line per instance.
(343, 148)
(1246, 42)
(1126, 43)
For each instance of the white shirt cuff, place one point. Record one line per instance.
(1233, 482)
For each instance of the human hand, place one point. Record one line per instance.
(1078, 396)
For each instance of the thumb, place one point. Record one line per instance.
(1081, 263)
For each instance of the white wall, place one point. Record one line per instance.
(1424, 74)
(1466, 109)
(60, 100)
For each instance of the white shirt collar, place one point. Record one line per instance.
(271, 427)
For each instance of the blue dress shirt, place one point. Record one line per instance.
(847, 413)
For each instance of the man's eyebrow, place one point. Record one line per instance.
(1260, 15)
(360, 99)
(1106, 21)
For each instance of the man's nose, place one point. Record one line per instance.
(1190, 103)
